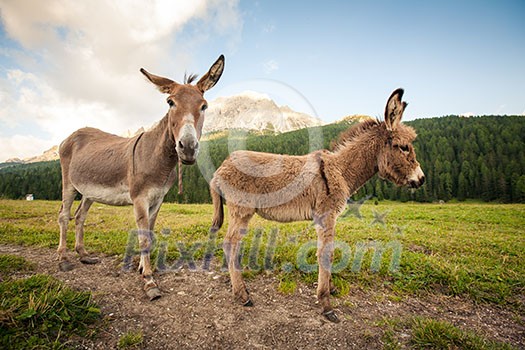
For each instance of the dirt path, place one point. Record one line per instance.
(196, 311)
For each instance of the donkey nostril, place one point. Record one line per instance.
(422, 181)
(181, 146)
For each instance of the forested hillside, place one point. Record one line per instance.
(42, 179)
(463, 158)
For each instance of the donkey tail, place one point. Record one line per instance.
(218, 207)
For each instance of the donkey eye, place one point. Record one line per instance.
(204, 107)
(171, 103)
(404, 148)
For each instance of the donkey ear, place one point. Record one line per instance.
(163, 84)
(394, 109)
(211, 78)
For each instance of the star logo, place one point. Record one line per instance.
(399, 231)
(353, 207)
(379, 218)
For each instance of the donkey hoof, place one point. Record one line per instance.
(331, 316)
(334, 291)
(88, 260)
(153, 293)
(248, 303)
(65, 266)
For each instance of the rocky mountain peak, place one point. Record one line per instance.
(251, 110)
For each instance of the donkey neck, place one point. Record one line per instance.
(357, 159)
(165, 143)
(158, 146)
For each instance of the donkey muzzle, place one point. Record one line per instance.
(417, 179)
(188, 149)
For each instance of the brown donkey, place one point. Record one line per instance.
(314, 186)
(109, 169)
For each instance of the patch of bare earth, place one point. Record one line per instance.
(196, 311)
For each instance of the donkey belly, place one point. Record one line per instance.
(118, 195)
(285, 213)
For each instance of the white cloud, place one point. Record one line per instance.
(34, 102)
(270, 66)
(23, 146)
(80, 60)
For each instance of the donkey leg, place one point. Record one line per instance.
(68, 196)
(153, 213)
(231, 247)
(324, 288)
(145, 237)
(80, 218)
(325, 252)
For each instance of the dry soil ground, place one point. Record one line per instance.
(196, 311)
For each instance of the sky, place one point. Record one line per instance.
(69, 64)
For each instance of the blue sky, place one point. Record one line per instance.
(61, 69)
(452, 57)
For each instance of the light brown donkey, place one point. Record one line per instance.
(314, 186)
(109, 169)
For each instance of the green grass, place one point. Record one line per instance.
(467, 249)
(41, 312)
(432, 334)
(10, 264)
(427, 333)
(130, 340)
(287, 285)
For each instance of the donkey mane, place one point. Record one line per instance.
(188, 79)
(351, 133)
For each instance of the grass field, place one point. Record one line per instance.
(474, 250)
(460, 249)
